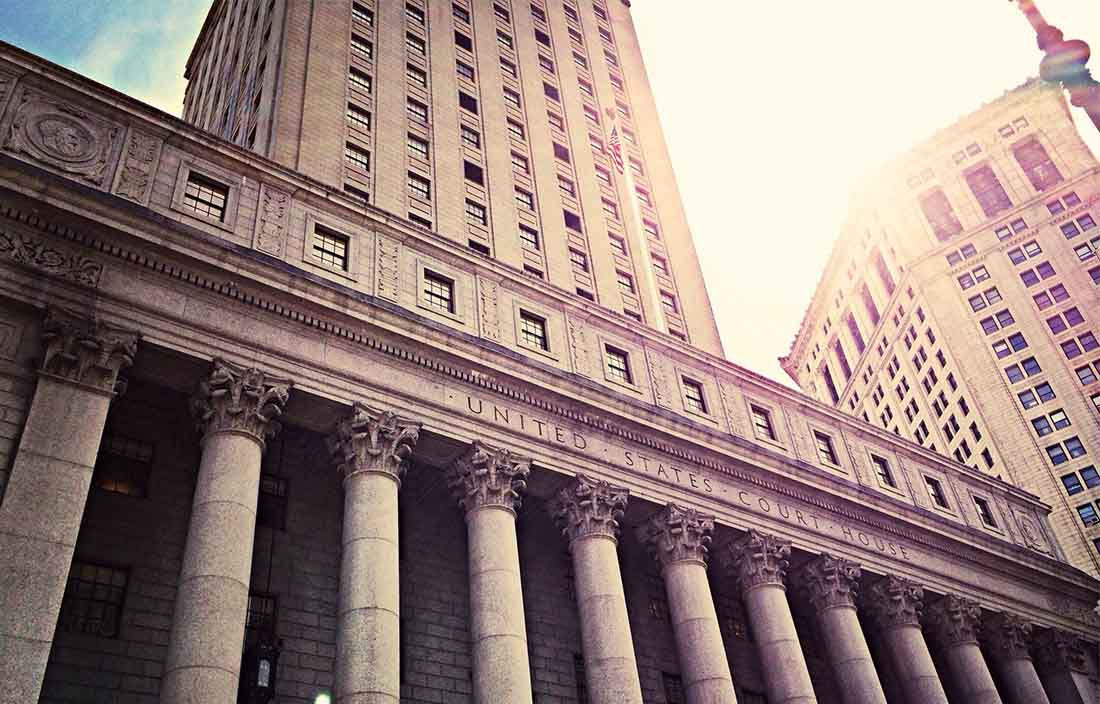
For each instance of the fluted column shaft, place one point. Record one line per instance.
(588, 512)
(44, 503)
(679, 538)
(955, 621)
(1060, 658)
(370, 448)
(759, 561)
(1007, 638)
(487, 483)
(831, 585)
(896, 604)
(236, 409)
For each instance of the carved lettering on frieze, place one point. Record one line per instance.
(659, 378)
(139, 163)
(63, 136)
(578, 346)
(729, 405)
(389, 273)
(37, 254)
(489, 305)
(272, 221)
(86, 350)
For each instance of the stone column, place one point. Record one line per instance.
(1062, 664)
(895, 604)
(370, 449)
(759, 562)
(487, 483)
(588, 513)
(955, 623)
(1007, 637)
(42, 509)
(678, 538)
(235, 409)
(831, 585)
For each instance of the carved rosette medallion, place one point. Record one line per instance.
(895, 601)
(368, 440)
(485, 476)
(239, 400)
(84, 351)
(829, 582)
(758, 559)
(1007, 636)
(955, 620)
(135, 176)
(63, 136)
(1057, 651)
(589, 507)
(37, 254)
(676, 534)
(272, 221)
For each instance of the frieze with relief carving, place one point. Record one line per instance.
(758, 559)
(589, 507)
(489, 307)
(47, 258)
(86, 350)
(272, 221)
(239, 399)
(486, 476)
(139, 163)
(678, 533)
(578, 345)
(63, 136)
(369, 440)
(389, 273)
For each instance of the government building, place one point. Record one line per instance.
(388, 374)
(960, 307)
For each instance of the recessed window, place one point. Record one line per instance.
(825, 449)
(987, 189)
(471, 137)
(883, 471)
(572, 221)
(357, 117)
(618, 245)
(520, 163)
(93, 599)
(985, 511)
(762, 421)
(417, 111)
(508, 68)
(694, 399)
(524, 199)
(464, 41)
(439, 292)
(330, 247)
(578, 259)
(512, 98)
(476, 213)
(360, 80)
(416, 45)
(414, 14)
(465, 70)
(362, 47)
(467, 102)
(123, 466)
(362, 14)
(272, 502)
(418, 147)
(205, 196)
(668, 302)
(419, 187)
(626, 282)
(935, 491)
(1088, 514)
(567, 187)
(416, 76)
(561, 152)
(532, 330)
(529, 237)
(618, 365)
(473, 173)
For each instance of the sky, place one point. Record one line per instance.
(772, 110)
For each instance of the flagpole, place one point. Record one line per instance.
(635, 233)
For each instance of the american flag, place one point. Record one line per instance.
(614, 149)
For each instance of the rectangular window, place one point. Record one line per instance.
(471, 137)
(524, 199)
(937, 210)
(505, 41)
(508, 68)
(512, 98)
(205, 196)
(882, 469)
(467, 102)
(93, 600)
(330, 247)
(123, 465)
(1036, 163)
(416, 76)
(414, 14)
(825, 449)
(985, 512)
(473, 173)
(618, 365)
(532, 330)
(694, 400)
(418, 147)
(1072, 484)
(935, 492)
(439, 292)
(362, 47)
(465, 70)
(419, 186)
(416, 45)
(987, 188)
(358, 117)
(762, 421)
(1088, 515)
(572, 221)
(360, 80)
(520, 163)
(476, 213)
(362, 14)
(578, 259)
(626, 282)
(529, 237)
(566, 187)
(668, 302)
(417, 111)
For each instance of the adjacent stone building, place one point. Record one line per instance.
(960, 307)
(270, 439)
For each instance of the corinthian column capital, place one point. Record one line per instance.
(758, 559)
(239, 399)
(86, 351)
(486, 476)
(1007, 636)
(589, 507)
(955, 620)
(895, 601)
(1057, 650)
(829, 581)
(676, 534)
(369, 440)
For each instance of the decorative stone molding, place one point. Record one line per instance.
(238, 399)
(1007, 636)
(895, 601)
(488, 293)
(369, 440)
(578, 345)
(658, 378)
(758, 559)
(272, 221)
(589, 507)
(389, 272)
(677, 533)
(86, 351)
(486, 476)
(39, 255)
(139, 163)
(955, 620)
(1056, 651)
(829, 582)
(62, 136)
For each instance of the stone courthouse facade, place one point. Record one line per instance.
(269, 437)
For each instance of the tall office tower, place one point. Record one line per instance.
(960, 306)
(487, 122)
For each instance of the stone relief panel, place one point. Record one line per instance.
(139, 165)
(731, 408)
(660, 375)
(488, 303)
(63, 137)
(272, 221)
(1031, 532)
(389, 270)
(580, 339)
(38, 254)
